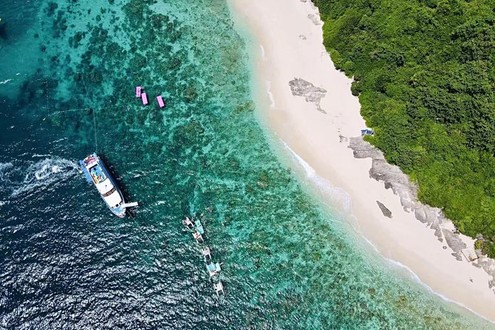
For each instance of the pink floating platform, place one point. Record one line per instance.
(138, 91)
(161, 104)
(144, 98)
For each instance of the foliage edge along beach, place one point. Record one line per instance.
(425, 76)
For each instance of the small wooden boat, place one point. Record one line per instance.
(199, 227)
(197, 236)
(218, 288)
(188, 223)
(213, 268)
(138, 91)
(207, 254)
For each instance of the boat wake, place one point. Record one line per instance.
(5, 167)
(19, 178)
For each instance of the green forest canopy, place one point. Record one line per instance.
(424, 71)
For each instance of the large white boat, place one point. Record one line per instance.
(96, 172)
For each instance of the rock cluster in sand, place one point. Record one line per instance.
(393, 178)
(311, 93)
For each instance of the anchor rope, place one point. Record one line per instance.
(94, 124)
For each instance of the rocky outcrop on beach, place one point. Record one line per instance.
(310, 92)
(386, 212)
(433, 217)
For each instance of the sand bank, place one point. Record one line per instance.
(307, 103)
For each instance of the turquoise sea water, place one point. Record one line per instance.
(68, 71)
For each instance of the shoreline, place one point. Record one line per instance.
(308, 106)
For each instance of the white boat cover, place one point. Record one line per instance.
(114, 199)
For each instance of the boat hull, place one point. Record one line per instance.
(96, 172)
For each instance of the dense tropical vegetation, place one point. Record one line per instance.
(424, 71)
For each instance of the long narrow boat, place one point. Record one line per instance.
(96, 172)
(199, 226)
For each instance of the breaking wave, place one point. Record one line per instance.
(337, 195)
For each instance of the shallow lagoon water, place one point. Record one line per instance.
(69, 71)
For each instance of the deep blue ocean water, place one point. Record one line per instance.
(67, 75)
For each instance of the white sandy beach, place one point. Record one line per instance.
(288, 45)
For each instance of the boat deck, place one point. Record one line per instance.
(97, 174)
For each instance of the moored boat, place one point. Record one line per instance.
(197, 236)
(199, 226)
(206, 254)
(96, 172)
(188, 223)
(218, 288)
(213, 268)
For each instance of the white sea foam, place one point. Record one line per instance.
(416, 278)
(270, 95)
(59, 140)
(44, 173)
(338, 195)
(6, 81)
(5, 166)
(40, 155)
